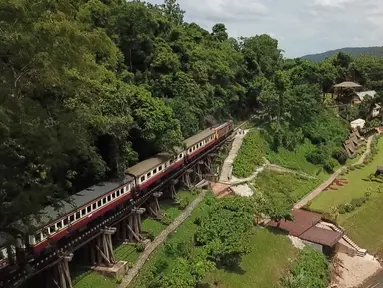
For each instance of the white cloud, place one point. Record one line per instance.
(301, 26)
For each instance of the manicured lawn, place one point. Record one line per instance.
(271, 257)
(295, 160)
(364, 224)
(85, 278)
(284, 185)
(355, 188)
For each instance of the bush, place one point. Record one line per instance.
(342, 209)
(140, 247)
(349, 207)
(358, 202)
(166, 219)
(311, 270)
(183, 203)
(317, 157)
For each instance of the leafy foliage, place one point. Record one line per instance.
(224, 231)
(251, 154)
(310, 270)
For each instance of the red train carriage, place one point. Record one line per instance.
(87, 205)
(84, 207)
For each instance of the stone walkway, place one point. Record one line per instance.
(158, 240)
(227, 167)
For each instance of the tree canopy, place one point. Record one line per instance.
(91, 87)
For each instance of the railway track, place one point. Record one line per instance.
(36, 266)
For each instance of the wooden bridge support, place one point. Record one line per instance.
(198, 171)
(131, 226)
(186, 179)
(172, 188)
(154, 207)
(101, 252)
(59, 275)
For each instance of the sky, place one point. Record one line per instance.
(301, 26)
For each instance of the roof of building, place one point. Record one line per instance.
(302, 221)
(303, 226)
(347, 84)
(363, 94)
(50, 213)
(358, 122)
(321, 236)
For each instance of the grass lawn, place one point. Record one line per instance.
(284, 185)
(363, 225)
(85, 278)
(271, 257)
(295, 160)
(355, 188)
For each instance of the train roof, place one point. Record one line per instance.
(198, 137)
(149, 164)
(50, 213)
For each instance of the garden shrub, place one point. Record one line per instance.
(183, 203)
(310, 270)
(342, 209)
(140, 247)
(166, 219)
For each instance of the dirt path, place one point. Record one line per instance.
(322, 186)
(367, 150)
(158, 240)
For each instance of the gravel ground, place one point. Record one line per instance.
(242, 190)
(298, 243)
(354, 270)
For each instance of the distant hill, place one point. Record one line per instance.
(354, 51)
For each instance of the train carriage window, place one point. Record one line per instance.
(113, 195)
(99, 203)
(94, 206)
(142, 179)
(160, 168)
(180, 156)
(78, 216)
(52, 229)
(104, 201)
(89, 209)
(66, 222)
(154, 171)
(170, 162)
(118, 193)
(127, 188)
(71, 218)
(148, 175)
(109, 198)
(59, 225)
(83, 212)
(38, 237)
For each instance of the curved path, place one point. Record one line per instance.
(158, 240)
(322, 186)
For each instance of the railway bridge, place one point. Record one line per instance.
(94, 241)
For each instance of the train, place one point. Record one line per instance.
(85, 206)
